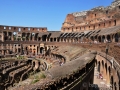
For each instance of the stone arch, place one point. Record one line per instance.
(55, 39)
(111, 80)
(114, 22)
(96, 37)
(109, 70)
(103, 63)
(92, 38)
(112, 36)
(106, 67)
(103, 38)
(108, 38)
(44, 37)
(99, 66)
(41, 50)
(116, 37)
(39, 38)
(51, 39)
(19, 50)
(99, 38)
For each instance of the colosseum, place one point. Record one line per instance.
(83, 55)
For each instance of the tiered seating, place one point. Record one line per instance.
(69, 52)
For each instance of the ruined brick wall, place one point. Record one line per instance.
(96, 18)
(22, 29)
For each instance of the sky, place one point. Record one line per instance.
(43, 13)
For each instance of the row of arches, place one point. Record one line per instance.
(110, 74)
(107, 38)
(90, 27)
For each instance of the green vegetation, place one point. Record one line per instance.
(34, 81)
(36, 77)
(23, 38)
(20, 57)
(14, 37)
(8, 58)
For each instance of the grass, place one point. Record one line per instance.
(20, 57)
(36, 77)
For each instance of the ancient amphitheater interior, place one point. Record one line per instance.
(83, 55)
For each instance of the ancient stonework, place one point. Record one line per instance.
(34, 58)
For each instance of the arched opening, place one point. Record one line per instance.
(41, 50)
(39, 39)
(109, 69)
(19, 50)
(106, 67)
(58, 39)
(28, 35)
(96, 37)
(51, 39)
(92, 38)
(76, 40)
(36, 36)
(108, 38)
(44, 37)
(99, 38)
(116, 37)
(111, 80)
(103, 63)
(114, 22)
(54, 39)
(98, 66)
(26, 48)
(5, 38)
(103, 38)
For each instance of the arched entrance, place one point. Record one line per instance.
(99, 38)
(108, 38)
(51, 39)
(19, 50)
(111, 80)
(92, 38)
(41, 50)
(116, 37)
(103, 63)
(103, 38)
(98, 66)
(44, 37)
